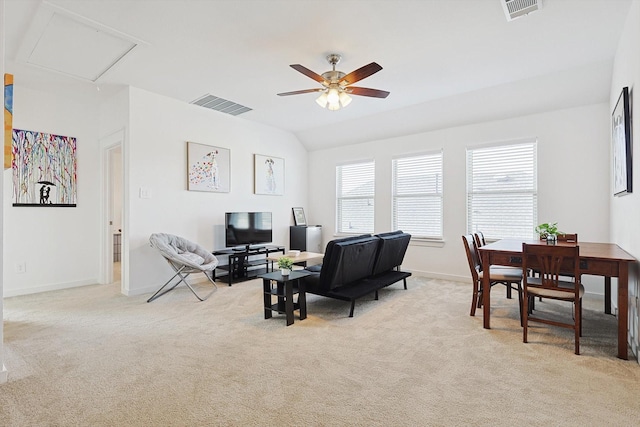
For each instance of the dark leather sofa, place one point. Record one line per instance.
(357, 266)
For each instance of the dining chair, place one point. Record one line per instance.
(552, 262)
(510, 277)
(478, 237)
(568, 237)
(562, 237)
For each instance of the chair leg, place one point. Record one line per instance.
(179, 273)
(508, 290)
(353, 306)
(578, 324)
(474, 300)
(159, 294)
(525, 316)
(580, 314)
(215, 287)
(520, 303)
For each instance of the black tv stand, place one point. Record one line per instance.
(244, 263)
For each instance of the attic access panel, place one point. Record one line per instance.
(71, 47)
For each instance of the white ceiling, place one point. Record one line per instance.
(445, 62)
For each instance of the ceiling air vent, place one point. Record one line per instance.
(221, 104)
(516, 8)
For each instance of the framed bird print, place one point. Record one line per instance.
(209, 168)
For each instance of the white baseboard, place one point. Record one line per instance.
(49, 287)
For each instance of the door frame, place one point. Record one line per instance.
(107, 145)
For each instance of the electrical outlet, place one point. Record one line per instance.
(21, 267)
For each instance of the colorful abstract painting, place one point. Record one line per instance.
(44, 169)
(8, 118)
(209, 168)
(269, 175)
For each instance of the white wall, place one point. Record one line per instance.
(3, 369)
(625, 227)
(573, 180)
(60, 246)
(156, 149)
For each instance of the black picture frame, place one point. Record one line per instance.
(621, 145)
(298, 216)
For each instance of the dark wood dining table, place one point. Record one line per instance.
(598, 259)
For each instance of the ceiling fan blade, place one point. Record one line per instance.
(363, 91)
(360, 73)
(298, 92)
(307, 72)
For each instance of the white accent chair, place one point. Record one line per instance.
(185, 258)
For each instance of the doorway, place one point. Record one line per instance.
(113, 208)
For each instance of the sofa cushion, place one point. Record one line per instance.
(351, 261)
(329, 255)
(391, 251)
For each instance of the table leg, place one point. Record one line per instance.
(266, 287)
(607, 295)
(302, 300)
(623, 308)
(288, 302)
(281, 300)
(486, 291)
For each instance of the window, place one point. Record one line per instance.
(502, 187)
(355, 187)
(417, 195)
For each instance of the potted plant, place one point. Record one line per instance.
(285, 264)
(548, 231)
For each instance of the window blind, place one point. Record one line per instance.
(417, 195)
(355, 194)
(502, 199)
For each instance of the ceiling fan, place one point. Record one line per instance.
(336, 85)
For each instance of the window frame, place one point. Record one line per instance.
(423, 195)
(339, 197)
(471, 223)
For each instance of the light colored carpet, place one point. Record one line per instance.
(92, 357)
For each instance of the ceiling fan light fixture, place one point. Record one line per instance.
(345, 99)
(333, 96)
(322, 100)
(336, 85)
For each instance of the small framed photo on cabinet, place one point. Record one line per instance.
(298, 216)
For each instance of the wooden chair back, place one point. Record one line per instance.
(479, 238)
(551, 262)
(472, 256)
(567, 237)
(564, 237)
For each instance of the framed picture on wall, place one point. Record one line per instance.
(208, 168)
(298, 216)
(44, 169)
(269, 175)
(621, 145)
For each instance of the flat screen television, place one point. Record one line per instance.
(247, 228)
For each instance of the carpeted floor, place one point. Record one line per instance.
(92, 357)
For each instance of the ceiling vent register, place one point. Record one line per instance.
(221, 104)
(517, 8)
